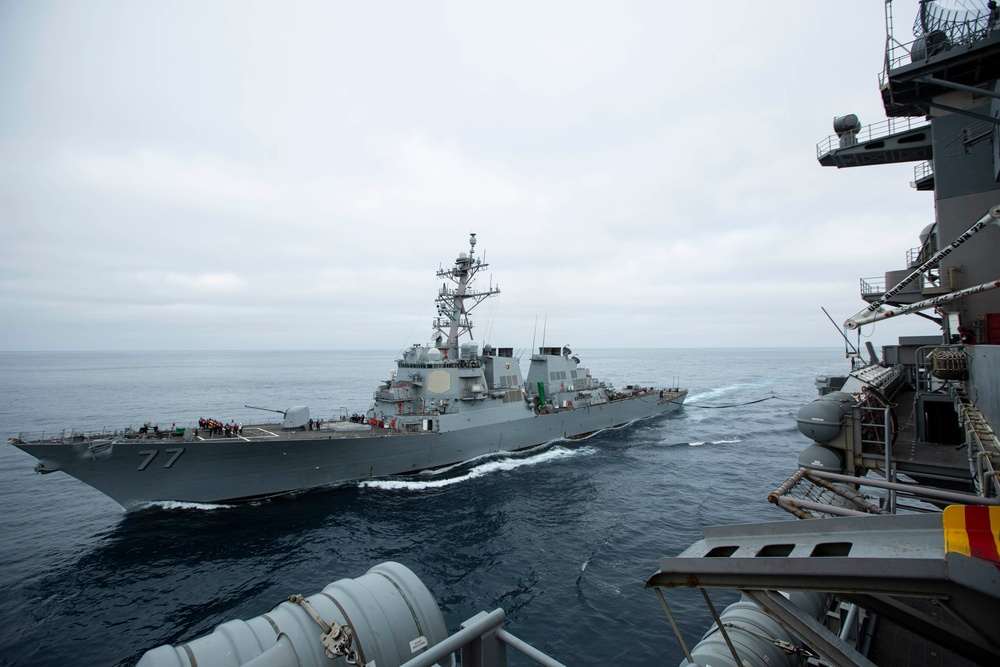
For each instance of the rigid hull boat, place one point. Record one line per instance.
(446, 402)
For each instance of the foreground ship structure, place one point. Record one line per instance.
(897, 560)
(448, 401)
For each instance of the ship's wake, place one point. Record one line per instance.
(731, 441)
(489, 467)
(178, 505)
(717, 392)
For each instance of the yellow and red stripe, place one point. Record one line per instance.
(973, 530)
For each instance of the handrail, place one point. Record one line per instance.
(872, 286)
(479, 641)
(922, 170)
(959, 27)
(911, 489)
(873, 132)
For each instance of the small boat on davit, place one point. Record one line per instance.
(446, 402)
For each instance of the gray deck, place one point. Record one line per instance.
(883, 563)
(945, 466)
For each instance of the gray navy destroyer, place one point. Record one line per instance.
(448, 401)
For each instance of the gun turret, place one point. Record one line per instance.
(295, 417)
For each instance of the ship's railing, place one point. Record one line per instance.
(872, 132)
(446, 322)
(938, 29)
(444, 363)
(482, 641)
(872, 286)
(984, 447)
(69, 436)
(922, 171)
(468, 393)
(877, 437)
(394, 395)
(131, 433)
(917, 256)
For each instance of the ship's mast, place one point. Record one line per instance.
(453, 312)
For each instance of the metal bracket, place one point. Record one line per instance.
(336, 638)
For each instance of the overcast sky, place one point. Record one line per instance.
(289, 175)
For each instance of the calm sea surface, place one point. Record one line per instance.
(562, 538)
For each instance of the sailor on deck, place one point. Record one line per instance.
(966, 337)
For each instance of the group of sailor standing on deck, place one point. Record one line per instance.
(216, 427)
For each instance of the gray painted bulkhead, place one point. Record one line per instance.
(984, 380)
(965, 189)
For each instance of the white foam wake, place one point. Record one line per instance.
(481, 470)
(710, 394)
(714, 442)
(178, 505)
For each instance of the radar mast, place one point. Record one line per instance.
(453, 311)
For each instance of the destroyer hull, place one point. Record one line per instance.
(238, 469)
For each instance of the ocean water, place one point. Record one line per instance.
(562, 538)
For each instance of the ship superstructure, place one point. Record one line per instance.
(897, 556)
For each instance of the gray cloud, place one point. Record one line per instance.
(261, 175)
